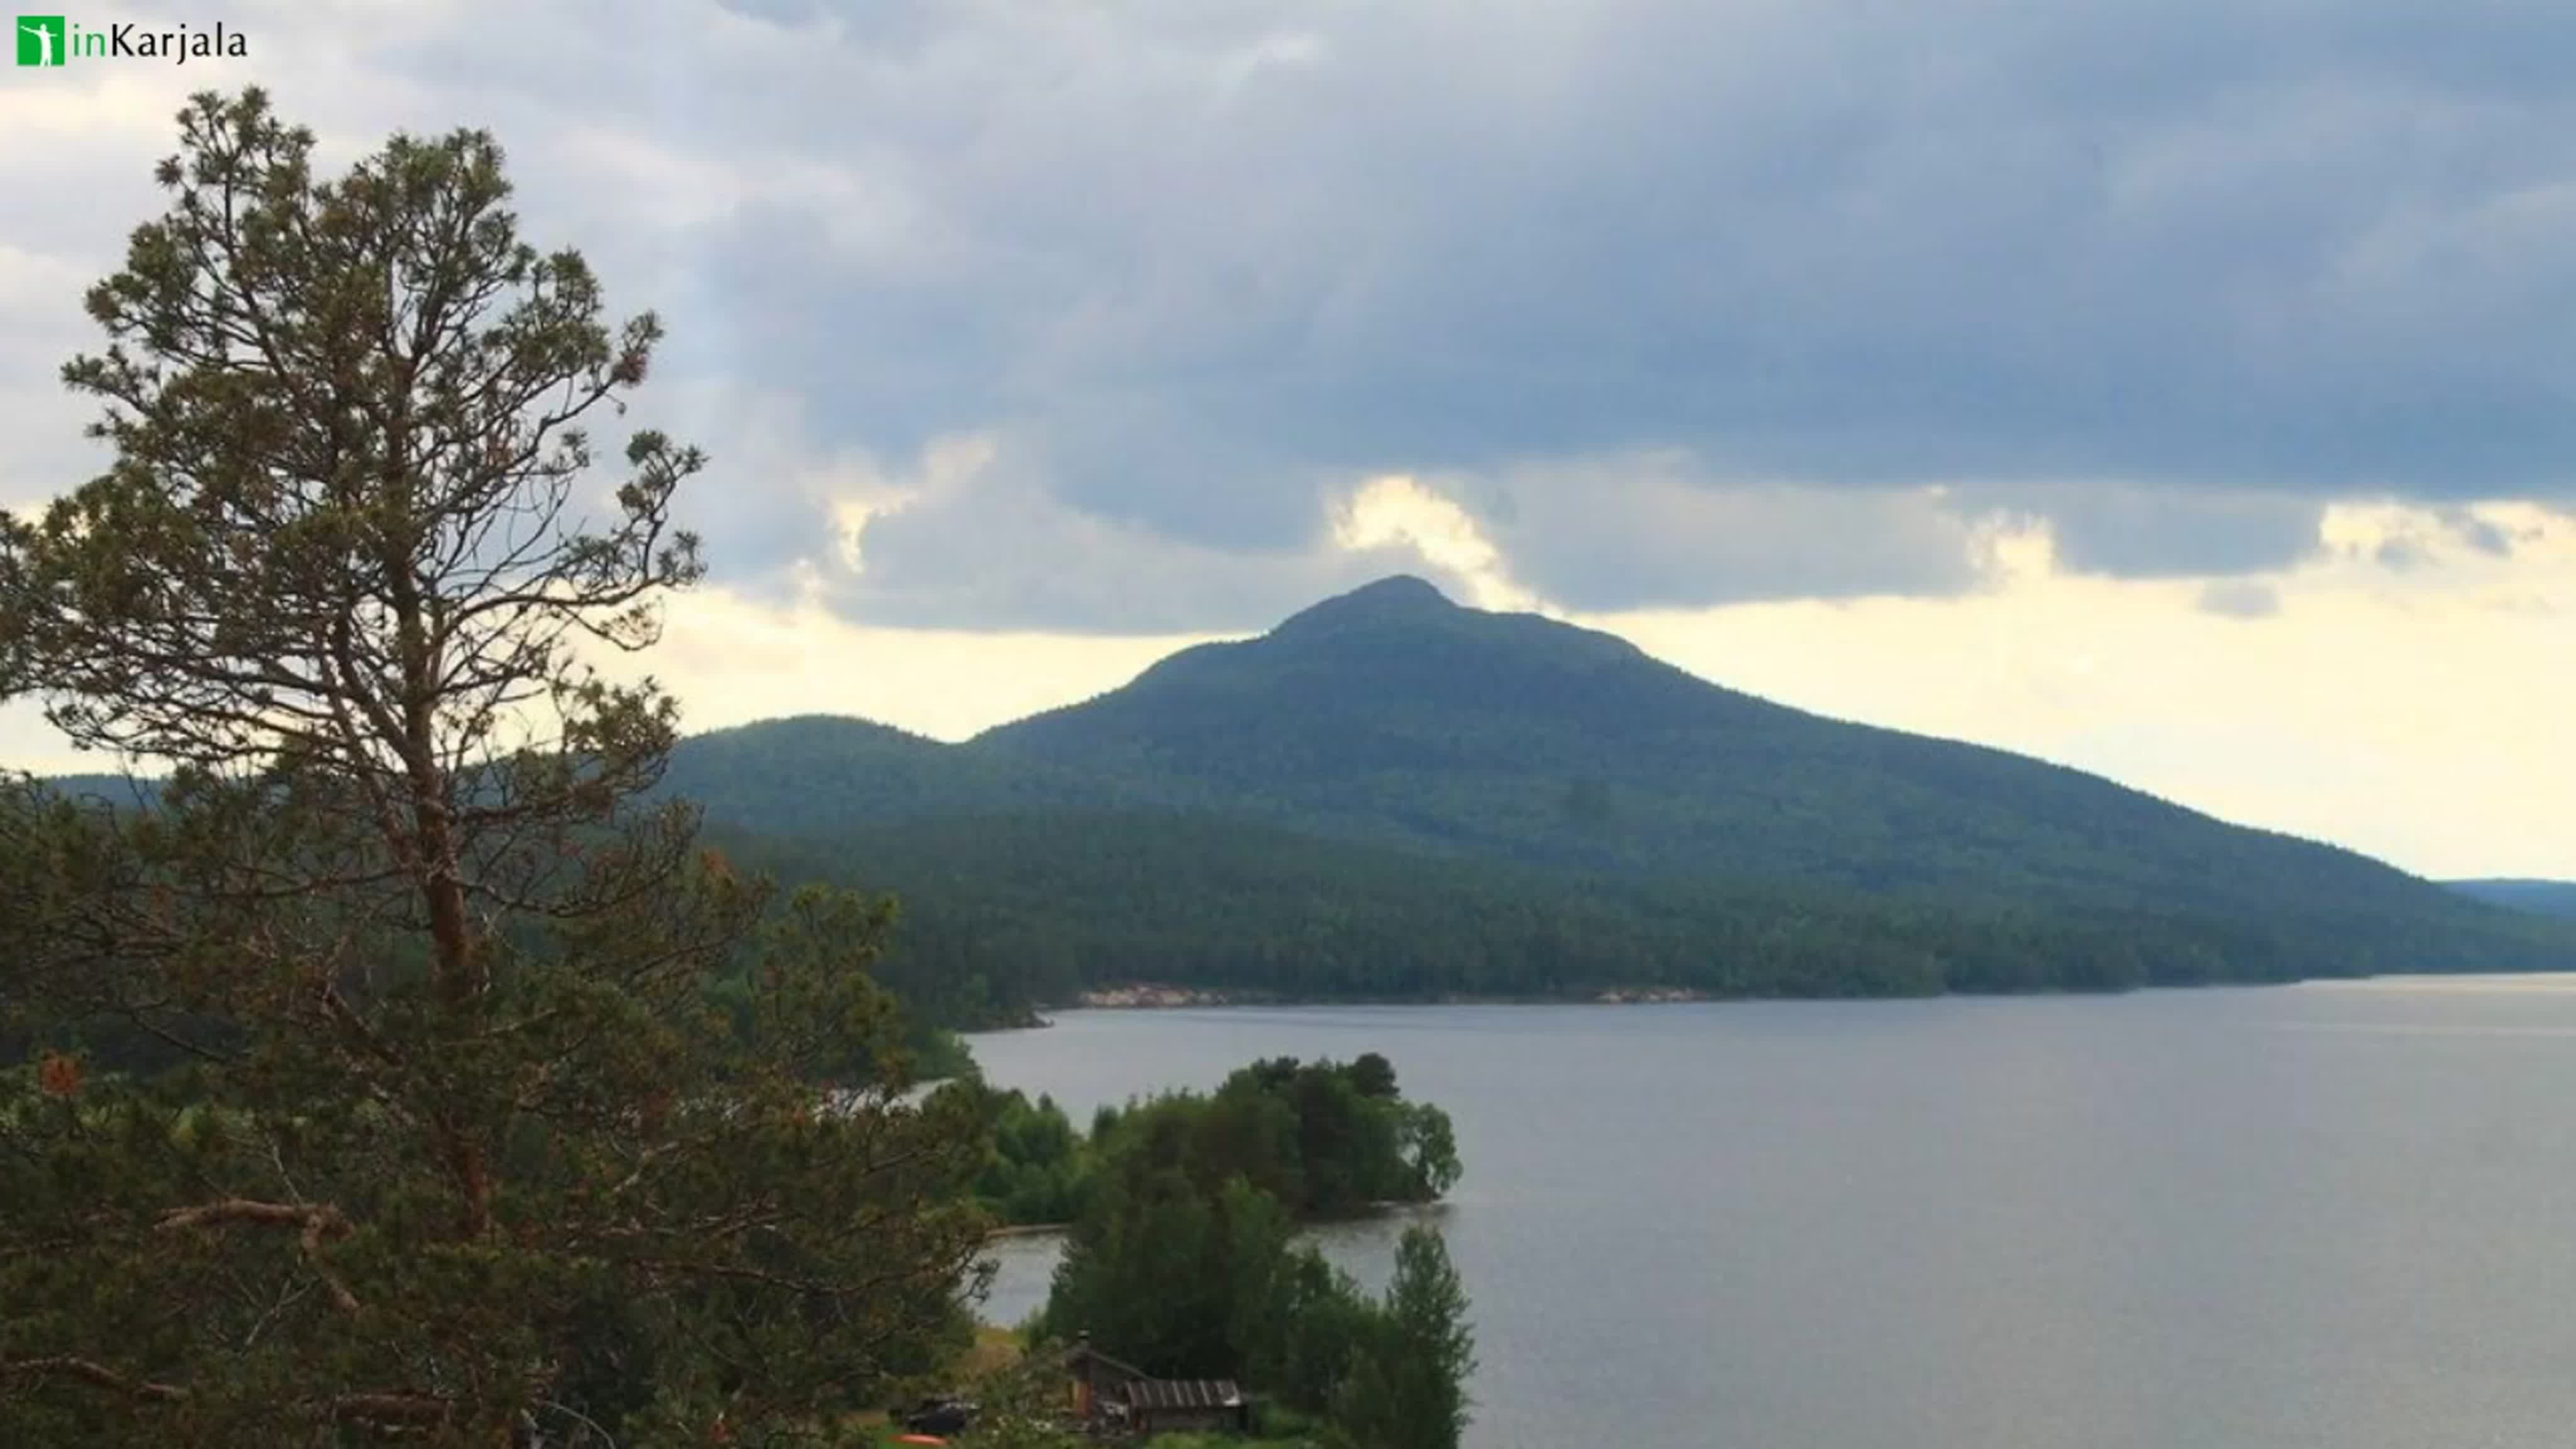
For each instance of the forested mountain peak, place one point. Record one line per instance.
(1394, 659)
(1397, 596)
(1394, 716)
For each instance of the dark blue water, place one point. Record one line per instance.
(2323, 1215)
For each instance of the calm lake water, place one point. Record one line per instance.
(2334, 1215)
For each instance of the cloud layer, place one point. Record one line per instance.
(1013, 313)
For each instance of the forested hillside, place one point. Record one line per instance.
(2541, 897)
(1391, 796)
(1000, 913)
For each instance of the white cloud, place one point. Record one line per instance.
(1397, 511)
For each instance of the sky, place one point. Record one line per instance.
(2183, 390)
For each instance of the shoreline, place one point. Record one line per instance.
(1370, 1213)
(1145, 997)
(1155, 996)
(1027, 1230)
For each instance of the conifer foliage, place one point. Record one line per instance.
(425, 1125)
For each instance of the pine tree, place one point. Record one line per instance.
(378, 1090)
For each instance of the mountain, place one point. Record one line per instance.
(1391, 714)
(2540, 897)
(1391, 794)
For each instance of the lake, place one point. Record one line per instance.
(2334, 1215)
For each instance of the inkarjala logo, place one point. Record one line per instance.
(52, 40)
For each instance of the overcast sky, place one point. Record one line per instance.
(2179, 389)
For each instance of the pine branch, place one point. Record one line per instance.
(91, 1371)
(320, 1222)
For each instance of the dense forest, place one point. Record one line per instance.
(999, 914)
(1393, 797)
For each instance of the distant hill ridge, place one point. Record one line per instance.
(1515, 758)
(1392, 795)
(2541, 897)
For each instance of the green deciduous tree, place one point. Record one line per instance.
(450, 1144)
(1430, 1151)
(1407, 1387)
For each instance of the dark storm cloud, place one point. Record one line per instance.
(1832, 242)
(2243, 259)
(1193, 264)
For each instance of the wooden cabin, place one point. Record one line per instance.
(1119, 1400)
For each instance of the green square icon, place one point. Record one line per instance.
(40, 39)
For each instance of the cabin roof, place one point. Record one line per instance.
(1184, 1394)
(1129, 1387)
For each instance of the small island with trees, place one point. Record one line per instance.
(1182, 1261)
